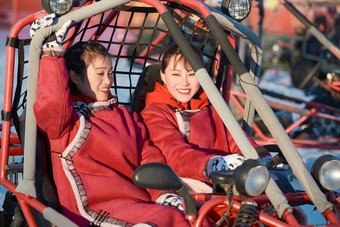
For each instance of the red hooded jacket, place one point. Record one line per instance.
(95, 155)
(188, 134)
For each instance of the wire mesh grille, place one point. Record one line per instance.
(136, 37)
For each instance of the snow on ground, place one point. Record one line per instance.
(272, 79)
(280, 81)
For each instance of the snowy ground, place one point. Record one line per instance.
(280, 81)
(272, 79)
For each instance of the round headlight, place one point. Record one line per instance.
(236, 9)
(59, 7)
(257, 180)
(251, 178)
(326, 171)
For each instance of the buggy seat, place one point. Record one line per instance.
(44, 183)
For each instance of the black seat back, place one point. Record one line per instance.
(145, 84)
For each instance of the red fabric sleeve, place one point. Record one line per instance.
(233, 147)
(53, 106)
(149, 153)
(186, 160)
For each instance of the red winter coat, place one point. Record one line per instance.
(189, 138)
(99, 155)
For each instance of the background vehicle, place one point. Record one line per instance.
(136, 33)
(310, 118)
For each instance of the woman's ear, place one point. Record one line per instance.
(162, 76)
(75, 77)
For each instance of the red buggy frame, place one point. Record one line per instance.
(162, 22)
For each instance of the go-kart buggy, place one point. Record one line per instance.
(136, 34)
(311, 118)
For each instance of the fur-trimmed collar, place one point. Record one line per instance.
(161, 94)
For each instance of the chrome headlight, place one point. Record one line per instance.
(326, 171)
(236, 9)
(59, 7)
(251, 178)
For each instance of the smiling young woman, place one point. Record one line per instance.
(185, 126)
(96, 145)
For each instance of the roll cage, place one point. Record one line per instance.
(140, 45)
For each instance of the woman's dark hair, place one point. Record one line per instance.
(79, 56)
(174, 50)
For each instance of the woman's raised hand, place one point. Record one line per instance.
(47, 21)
